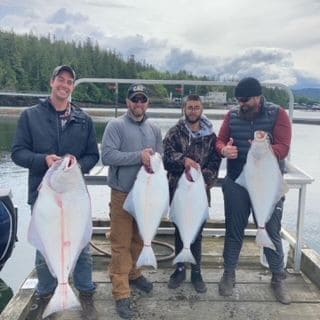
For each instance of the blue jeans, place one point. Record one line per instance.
(238, 207)
(82, 274)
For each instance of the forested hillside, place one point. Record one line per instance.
(26, 63)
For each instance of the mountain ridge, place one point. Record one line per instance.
(311, 93)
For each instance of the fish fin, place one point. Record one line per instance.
(241, 180)
(285, 187)
(147, 258)
(263, 239)
(63, 298)
(211, 213)
(166, 211)
(185, 255)
(128, 204)
(207, 214)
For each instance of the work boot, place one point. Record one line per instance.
(124, 308)
(177, 278)
(279, 288)
(38, 304)
(227, 283)
(197, 282)
(87, 304)
(142, 284)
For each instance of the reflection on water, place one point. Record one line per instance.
(304, 154)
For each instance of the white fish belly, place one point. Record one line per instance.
(148, 202)
(60, 228)
(262, 178)
(189, 208)
(151, 202)
(265, 186)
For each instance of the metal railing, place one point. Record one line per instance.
(295, 179)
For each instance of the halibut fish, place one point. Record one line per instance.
(262, 178)
(61, 226)
(188, 211)
(148, 203)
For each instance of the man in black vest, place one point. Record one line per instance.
(253, 113)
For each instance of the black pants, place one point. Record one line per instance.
(238, 207)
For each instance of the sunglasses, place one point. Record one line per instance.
(137, 99)
(243, 99)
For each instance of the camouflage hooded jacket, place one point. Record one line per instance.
(180, 143)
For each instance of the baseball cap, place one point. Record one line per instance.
(248, 87)
(62, 68)
(135, 89)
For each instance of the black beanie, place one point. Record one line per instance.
(248, 87)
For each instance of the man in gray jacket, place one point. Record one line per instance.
(127, 144)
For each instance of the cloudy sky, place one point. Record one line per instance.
(274, 40)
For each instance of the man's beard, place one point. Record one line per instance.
(192, 121)
(247, 113)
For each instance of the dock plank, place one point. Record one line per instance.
(252, 298)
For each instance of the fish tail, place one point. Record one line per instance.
(185, 255)
(63, 298)
(147, 257)
(263, 239)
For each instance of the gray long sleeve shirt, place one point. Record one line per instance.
(122, 143)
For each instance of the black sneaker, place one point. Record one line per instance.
(177, 278)
(87, 304)
(198, 283)
(124, 309)
(142, 284)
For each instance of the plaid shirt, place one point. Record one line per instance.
(179, 144)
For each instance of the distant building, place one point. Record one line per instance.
(215, 97)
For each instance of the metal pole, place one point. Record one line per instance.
(116, 92)
(300, 223)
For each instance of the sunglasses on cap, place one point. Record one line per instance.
(136, 99)
(243, 99)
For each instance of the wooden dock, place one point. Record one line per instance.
(252, 298)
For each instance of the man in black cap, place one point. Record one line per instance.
(45, 133)
(237, 130)
(127, 144)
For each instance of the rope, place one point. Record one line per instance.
(156, 242)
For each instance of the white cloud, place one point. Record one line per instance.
(274, 40)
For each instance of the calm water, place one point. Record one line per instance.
(305, 154)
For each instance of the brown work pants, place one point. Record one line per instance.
(126, 245)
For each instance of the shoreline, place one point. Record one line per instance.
(103, 114)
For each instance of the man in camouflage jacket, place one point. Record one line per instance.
(190, 143)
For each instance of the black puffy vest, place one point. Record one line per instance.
(243, 130)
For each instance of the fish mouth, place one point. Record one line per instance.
(148, 170)
(72, 161)
(260, 135)
(68, 162)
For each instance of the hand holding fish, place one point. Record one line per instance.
(229, 150)
(145, 157)
(51, 159)
(188, 164)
